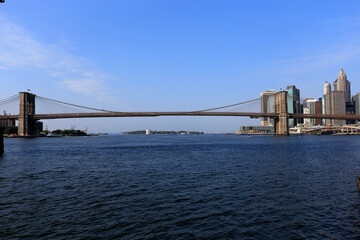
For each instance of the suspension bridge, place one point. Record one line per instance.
(27, 116)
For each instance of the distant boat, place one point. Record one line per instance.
(54, 135)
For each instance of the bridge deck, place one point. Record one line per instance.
(157, 114)
(153, 114)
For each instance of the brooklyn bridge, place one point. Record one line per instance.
(27, 116)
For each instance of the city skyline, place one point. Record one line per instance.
(110, 58)
(336, 100)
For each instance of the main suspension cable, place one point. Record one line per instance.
(9, 100)
(74, 105)
(232, 105)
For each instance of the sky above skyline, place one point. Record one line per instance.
(173, 55)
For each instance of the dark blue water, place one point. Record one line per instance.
(180, 187)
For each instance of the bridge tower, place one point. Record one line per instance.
(281, 123)
(26, 123)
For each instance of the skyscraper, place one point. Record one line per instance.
(335, 105)
(342, 84)
(335, 102)
(327, 88)
(318, 110)
(309, 108)
(267, 106)
(293, 103)
(356, 100)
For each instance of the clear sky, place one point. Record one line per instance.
(173, 55)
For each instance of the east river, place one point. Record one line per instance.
(180, 187)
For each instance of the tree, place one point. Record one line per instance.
(11, 130)
(57, 131)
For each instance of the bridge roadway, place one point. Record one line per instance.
(157, 114)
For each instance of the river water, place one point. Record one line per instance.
(180, 187)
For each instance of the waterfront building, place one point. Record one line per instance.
(356, 100)
(323, 121)
(309, 108)
(293, 102)
(38, 126)
(256, 129)
(335, 104)
(318, 110)
(327, 88)
(342, 84)
(267, 106)
(4, 123)
(350, 110)
(338, 100)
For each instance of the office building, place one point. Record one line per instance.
(356, 100)
(293, 102)
(335, 105)
(309, 108)
(338, 101)
(267, 106)
(318, 110)
(342, 84)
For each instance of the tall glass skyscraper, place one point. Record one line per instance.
(293, 102)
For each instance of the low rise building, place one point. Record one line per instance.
(256, 129)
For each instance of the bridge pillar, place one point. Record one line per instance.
(26, 123)
(281, 123)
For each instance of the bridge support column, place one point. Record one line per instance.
(281, 123)
(26, 123)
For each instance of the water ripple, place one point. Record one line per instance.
(180, 187)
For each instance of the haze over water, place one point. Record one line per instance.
(180, 187)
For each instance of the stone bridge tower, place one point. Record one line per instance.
(281, 123)
(26, 123)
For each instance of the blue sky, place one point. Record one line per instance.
(173, 55)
